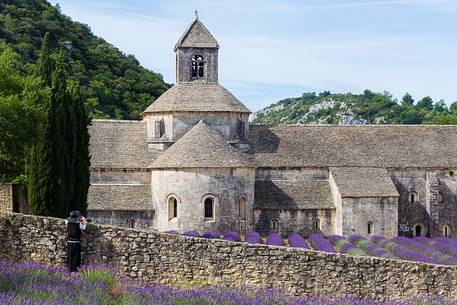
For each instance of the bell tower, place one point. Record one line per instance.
(196, 55)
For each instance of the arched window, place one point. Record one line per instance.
(446, 231)
(131, 223)
(172, 207)
(419, 230)
(209, 207)
(370, 228)
(198, 66)
(275, 225)
(413, 197)
(316, 224)
(242, 209)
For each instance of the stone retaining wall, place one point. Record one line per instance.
(172, 259)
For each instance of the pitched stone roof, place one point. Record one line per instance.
(196, 36)
(119, 144)
(386, 146)
(363, 182)
(125, 197)
(197, 97)
(285, 194)
(201, 147)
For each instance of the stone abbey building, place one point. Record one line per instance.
(194, 163)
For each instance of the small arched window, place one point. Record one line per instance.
(275, 225)
(131, 223)
(209, 208)
(242, 209)
(413, 197)
(370, 228)
(316, 224)
(446, 231)
(198, 66)
(172, 207)
(419, 230)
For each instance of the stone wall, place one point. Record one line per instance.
(6, 197)
(172, 259)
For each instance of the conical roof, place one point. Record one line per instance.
(196, 36)
(197, 97)
(202, 147)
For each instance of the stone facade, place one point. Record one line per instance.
(190, 187)
(180, 260)
(194, 143)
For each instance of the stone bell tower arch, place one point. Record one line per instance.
(197, 55)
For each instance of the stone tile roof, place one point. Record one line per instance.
(285, 194)
(201, 147)
(386, 146)
(119, 144)
(196, 36)
(125, 197)
(363, 182)
(197, 97)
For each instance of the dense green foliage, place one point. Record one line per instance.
(58, 166)
(369, 107)
(22, 106)
(115, 84)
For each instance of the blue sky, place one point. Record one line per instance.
(276, 49)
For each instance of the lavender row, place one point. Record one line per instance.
(32, 283)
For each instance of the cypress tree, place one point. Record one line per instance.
(44, 62)
(47, 183)
(82, 156)
(36, 168)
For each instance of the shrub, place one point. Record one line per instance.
(356, 238)
(253, 238)
(297, 241)
(339, 244)
(274, 239)
(232, 236)
(335, 238)
(320, 243)
(211, 234)
(191, 233)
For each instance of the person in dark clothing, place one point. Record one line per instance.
(75, 225)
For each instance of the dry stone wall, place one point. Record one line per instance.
(6, 198)
(172, 259)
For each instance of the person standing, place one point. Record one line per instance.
(75, 225)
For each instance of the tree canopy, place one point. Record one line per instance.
(115, 84)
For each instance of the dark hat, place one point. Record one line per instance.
(73, 216)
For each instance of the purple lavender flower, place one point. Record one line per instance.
(232, 236)
(355, 238)
(335, 238)
(191, 233)
(297, 241)
(274, 239)
(211, 234)
(320, 243)
(171, 232)
(253, 238)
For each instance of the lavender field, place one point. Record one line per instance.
(439, 250)
(39, 284)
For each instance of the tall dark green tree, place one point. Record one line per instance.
(44, 65)
(82, 157)
(47, 186)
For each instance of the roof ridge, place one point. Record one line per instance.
(117, 121)
(351, 125)
(188, 31)
(202, 147)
